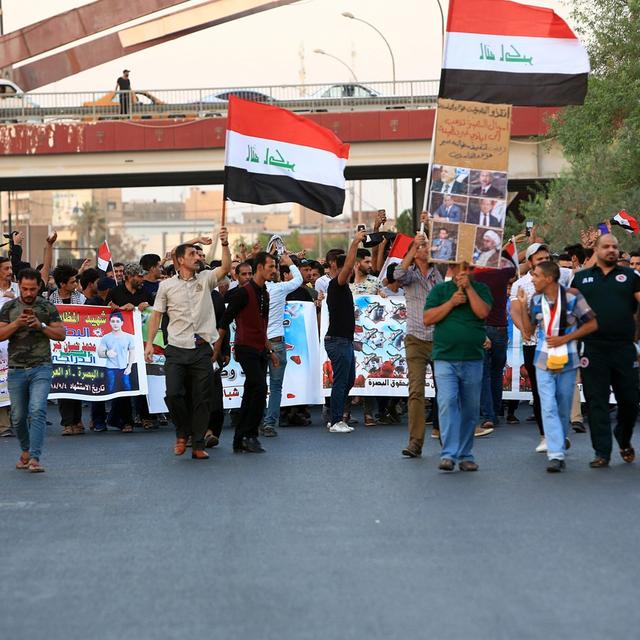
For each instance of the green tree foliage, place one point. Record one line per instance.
(601, 138)
(405, 223)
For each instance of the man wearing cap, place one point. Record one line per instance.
(535, 254)
(609, 358)
(123, 89)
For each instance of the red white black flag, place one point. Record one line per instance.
(510, 53)
(627, 222)
(104, 256)
(273, 155)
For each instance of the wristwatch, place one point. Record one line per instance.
(43, 326)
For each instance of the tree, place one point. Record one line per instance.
(600, 138)
(405, 223)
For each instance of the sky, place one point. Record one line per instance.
(266, 49)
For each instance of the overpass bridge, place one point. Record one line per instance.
(61, 143)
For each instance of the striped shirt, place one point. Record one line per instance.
(416, 289)
(576, 312)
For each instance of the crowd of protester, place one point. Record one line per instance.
(576, 310)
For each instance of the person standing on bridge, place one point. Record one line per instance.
(123, 89)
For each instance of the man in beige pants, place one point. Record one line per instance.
(417, 277)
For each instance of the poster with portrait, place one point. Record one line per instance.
(102, 356)
(467, 199)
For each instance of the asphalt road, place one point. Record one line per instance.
(325, 536)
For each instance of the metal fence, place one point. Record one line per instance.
(213, 102)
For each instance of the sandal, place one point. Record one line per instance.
(67, 431)
(78, 429)
(127, 428)
(149, 425)
(599, 463)
(23, 462)
(628, 454)
(35, 466)
(369, 420)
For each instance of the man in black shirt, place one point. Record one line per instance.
(609, 357)
(123, 88)
(152, 267)
(250, 309)
(338, 342)
(130, 294)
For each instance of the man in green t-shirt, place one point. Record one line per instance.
(458, 308)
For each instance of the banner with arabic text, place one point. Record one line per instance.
(302, 379)
(102, 356)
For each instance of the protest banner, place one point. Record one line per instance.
(381, 367)
(468, 189)
(102, 357)
(302, 379)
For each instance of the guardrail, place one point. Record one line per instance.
(212, 102)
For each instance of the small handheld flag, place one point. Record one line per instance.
(104, 256)
(627, 222)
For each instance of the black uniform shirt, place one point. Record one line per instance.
(612, 298)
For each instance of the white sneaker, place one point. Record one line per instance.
(542, 447)
(340, 427)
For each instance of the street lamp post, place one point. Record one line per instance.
(322, 52)
(348, 14)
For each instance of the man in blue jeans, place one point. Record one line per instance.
(458, 309)
(560, 317)
(495, 355)
(278, 292)
(29, 323)
(338, 341)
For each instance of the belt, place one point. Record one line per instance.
(23, 366)
(277, 339)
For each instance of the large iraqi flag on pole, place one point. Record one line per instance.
(510, 53)
(273, 155)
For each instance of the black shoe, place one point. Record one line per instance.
(446, 465)
(296, 420)
(512, 419)
(210, 441)
(578, 427)
(268, 432)
(248, 445)
(555, 466)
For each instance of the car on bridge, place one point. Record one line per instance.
(346, 90)
(145, 106)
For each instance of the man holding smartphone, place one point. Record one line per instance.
(29, 323)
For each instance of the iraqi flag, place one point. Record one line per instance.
(273, 155)
(399, 249)
(510, 53)
(104, 256)
(627, 222)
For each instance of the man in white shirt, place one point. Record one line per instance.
(278, 292)
(536, 253)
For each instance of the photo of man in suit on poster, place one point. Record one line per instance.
(490, 184)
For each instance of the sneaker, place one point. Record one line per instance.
(8, 433)
(483, 431)
(542, 447)
(340, 427)
(435, 434)
(555, 466)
